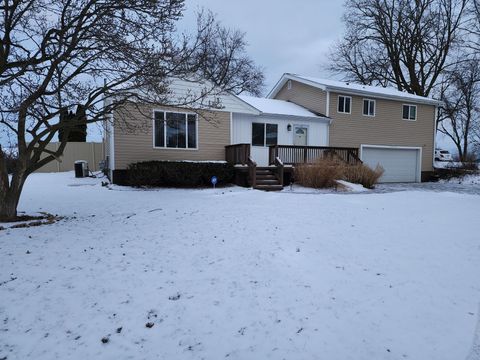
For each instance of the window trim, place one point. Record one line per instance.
(264, 134)
(416, 112)
(374, 107)
(338, 103)
(165, 147)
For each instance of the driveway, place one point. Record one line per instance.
(456, 187)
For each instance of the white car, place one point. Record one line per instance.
(443, 155)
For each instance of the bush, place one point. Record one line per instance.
(321, 174)
(179, 174)
(324, 173)
(362, 174)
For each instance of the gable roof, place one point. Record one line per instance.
(278, 107)
(351, 88)
(206, 95)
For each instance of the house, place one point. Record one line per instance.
(389, 127)
(301, 120)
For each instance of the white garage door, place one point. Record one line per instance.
(401, 165)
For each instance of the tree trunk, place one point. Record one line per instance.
(10, 194)
(8, 205)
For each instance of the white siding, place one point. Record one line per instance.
(242, 132)
(187, 90)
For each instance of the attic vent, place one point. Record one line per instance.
(289, 84)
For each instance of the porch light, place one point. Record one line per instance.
(289, 127)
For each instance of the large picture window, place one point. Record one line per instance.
(175, 130)
(264, 134)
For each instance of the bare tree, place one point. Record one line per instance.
(474, 29)
(405, 43)
(96, 54)
(459, 117)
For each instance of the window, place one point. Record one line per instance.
(175, 130)
(289, 84)
(409, 112)
(344, 104)
(264, 134)
(368, 107)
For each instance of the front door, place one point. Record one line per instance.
(300, 136)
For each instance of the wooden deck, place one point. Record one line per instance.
(294, 155)
(282, 162)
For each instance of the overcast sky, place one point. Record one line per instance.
(284, 36)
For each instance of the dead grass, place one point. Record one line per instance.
(362, 174)
(26, 221)
(324, 173)
(319, 175)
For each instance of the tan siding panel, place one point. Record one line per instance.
(88, 151)
(307, 96)
(134, 137)
(386, 128)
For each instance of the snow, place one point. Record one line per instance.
(344, 187)
(473, 179)
(277, 107)
(240, 274)
(448, 164)
(374, 90)
(351, 186)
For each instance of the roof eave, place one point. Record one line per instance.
(419, 100)
(300, 117)
(288, 76)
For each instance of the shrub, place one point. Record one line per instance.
(178, 174)
(321, 174)
(362, 174)
(324, 173)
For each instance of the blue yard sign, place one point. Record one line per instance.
(214, 181)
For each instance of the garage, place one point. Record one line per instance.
(401, 164)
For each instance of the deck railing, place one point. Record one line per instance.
(293, 155)
(237, 154)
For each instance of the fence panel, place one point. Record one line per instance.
(92, 152)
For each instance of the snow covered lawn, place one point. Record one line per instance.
(239, 274)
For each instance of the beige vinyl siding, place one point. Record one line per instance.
(133, 136)
(307, 96)
(386, 128)
(91, 152)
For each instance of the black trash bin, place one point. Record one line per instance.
(81, 168)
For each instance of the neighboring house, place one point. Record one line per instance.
(303, 119)
(391, 128)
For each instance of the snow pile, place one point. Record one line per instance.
(239, 274)
(348, 186)
(447, 164)
(473, 179)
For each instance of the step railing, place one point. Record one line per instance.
(237, 154)
(280, 169)
(252, 169)
(293, 155)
